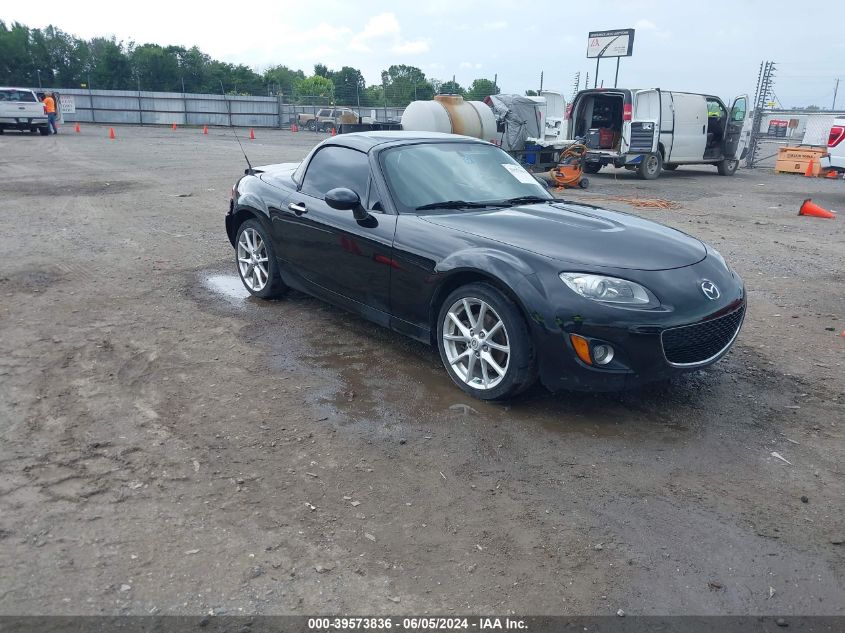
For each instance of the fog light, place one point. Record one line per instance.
(602, 354)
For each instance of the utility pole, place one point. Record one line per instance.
(835, 90)
(38, 70)
(496, 80)
(576, 84)
(765, 92)
(541, 82)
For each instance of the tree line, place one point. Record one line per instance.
(52, 58)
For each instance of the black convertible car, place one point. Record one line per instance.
(447, 239)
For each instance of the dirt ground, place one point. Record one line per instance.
(171, 446)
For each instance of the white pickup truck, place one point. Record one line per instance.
(21, 110)
(835, 158)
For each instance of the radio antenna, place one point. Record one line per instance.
(229, 111)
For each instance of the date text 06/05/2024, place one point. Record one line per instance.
(416, 624)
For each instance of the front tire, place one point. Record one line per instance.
(256, 261)
(727, 167)
(484, 343)
(650, 166)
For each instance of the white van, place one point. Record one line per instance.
(651, 130)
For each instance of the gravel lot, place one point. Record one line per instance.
(171, 446)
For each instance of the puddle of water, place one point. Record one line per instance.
(230, 286)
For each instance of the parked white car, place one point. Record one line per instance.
(835, 158)
(21, 110)
(652, 130)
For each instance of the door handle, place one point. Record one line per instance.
(297, 208)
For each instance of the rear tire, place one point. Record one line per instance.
(490, 355)
(670, 167)
(256, 262)
(592, 168)
(727, 167)
(45, 131)
(584, 183)
(650, 166)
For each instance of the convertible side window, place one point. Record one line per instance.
(333, 167)
(374, 200)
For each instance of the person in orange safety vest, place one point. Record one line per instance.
(50, 107)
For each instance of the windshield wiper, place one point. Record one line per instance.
(526, 199)
(453, 204)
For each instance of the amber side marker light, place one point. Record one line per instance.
(582, 348)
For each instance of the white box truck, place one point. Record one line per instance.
(651, 130)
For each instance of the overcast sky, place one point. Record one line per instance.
(712, 46)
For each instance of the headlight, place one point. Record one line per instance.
(607, 289)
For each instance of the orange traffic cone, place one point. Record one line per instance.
(810, 173)
(831, 174)
(173, 127)
(814, 210)
(205, 129)
(111, 133)
(293, 128)
(251, 134)
(78, 130)
(334, 132)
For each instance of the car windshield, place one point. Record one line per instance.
(452, 173)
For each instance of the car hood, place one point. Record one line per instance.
(580, 234)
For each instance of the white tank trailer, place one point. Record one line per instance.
(450, 114)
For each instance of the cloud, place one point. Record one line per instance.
(494, 26)
(476, 65)
(383, 31)
(318, 52)
(645, 25)
(414, 47)
(382, 26)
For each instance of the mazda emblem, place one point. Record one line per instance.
(710, 290)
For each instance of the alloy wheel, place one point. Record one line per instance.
(252, 260)
(476, 343)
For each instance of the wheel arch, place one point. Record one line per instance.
(244, 210)
(462, 276)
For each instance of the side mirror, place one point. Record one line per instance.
(345, 199)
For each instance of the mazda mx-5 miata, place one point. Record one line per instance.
(449, 240)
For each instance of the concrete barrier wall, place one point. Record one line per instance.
(165, 108)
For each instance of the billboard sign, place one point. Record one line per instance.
(618, 43)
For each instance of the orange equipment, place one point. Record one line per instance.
(569, 172)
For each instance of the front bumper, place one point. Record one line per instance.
(649, 345)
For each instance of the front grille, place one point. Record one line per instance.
(699, 343)
(642, 140)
